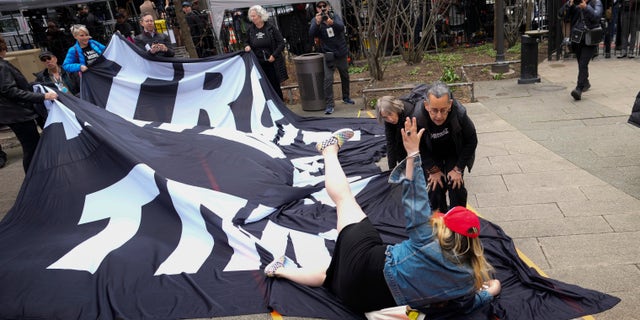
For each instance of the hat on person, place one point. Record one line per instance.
(319, 2)
(186, 4)
(463, 221)
(46, 54)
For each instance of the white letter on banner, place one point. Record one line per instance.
(121, 203)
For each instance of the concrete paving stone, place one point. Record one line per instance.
(627, 309)
(535, 164)
(628, 222)
(486, 166)
(604, 193)
(615, 278)
(525, 146)
(485, 184)
(512, 198)
(532, 250)
(605, 249)
(563, 226)
(570, 177)
(486, 150)
(587, 159)
(615, 119)
(542, 211)
(576, 208)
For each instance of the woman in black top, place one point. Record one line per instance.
(267, 43)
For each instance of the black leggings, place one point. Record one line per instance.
(28, 135)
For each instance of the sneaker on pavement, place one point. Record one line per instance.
(328, 110)
(576, 94)
(339, 137)
(586, 87)
(348, 101)
(270, 269)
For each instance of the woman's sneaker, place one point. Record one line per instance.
(339, 137)
(270, 269)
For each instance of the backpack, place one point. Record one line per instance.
(417, 94)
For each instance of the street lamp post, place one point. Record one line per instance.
(498, 14)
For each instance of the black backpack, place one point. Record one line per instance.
(417, 94)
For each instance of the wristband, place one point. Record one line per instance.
(413, 154)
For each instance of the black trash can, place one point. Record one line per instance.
(310, 73)
(528, 60)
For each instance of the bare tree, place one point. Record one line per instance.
(413, 32)
(185, 32)
(373, 26)
(515, 12)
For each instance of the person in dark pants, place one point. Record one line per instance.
(267, 43)
(447, 147)
(328, 27)
(608, 28)
(16, 106)
(583, 14)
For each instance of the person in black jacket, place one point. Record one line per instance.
(54, 75)
(16, 106)
(154, 43)
(267, 43)
(392, 112)
(328, 28)
(447, 147)
(583, 14)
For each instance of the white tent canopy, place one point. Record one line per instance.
(218, 8)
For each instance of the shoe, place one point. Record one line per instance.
(3, 159)
(576, 94)
(586, 87)
(631, 56)
(607, 55)
(339, 137)
(270, 269)
(624, 54)
(348, 101)
(328, 110)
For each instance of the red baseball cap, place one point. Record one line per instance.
(463, 221)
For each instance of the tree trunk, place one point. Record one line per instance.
(185, 32)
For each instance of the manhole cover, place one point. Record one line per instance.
(549, 87)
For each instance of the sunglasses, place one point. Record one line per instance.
(43, 59)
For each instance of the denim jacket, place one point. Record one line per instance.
(416, 271)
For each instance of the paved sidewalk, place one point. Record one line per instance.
(562, 177)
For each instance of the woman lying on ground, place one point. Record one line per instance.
(440, 270)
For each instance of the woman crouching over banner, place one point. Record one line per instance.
(440, 270)
(16, 106)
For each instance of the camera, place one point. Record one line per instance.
(326, 14)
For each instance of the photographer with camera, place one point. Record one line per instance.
(328, 27)
(584, 15)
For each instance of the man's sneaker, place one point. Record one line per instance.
(348, 101)
(576, 94)
(328, 110)
(3, 159)
(586, 87)
(339, 137)
(270, 269)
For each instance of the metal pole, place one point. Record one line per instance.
(498, 13)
